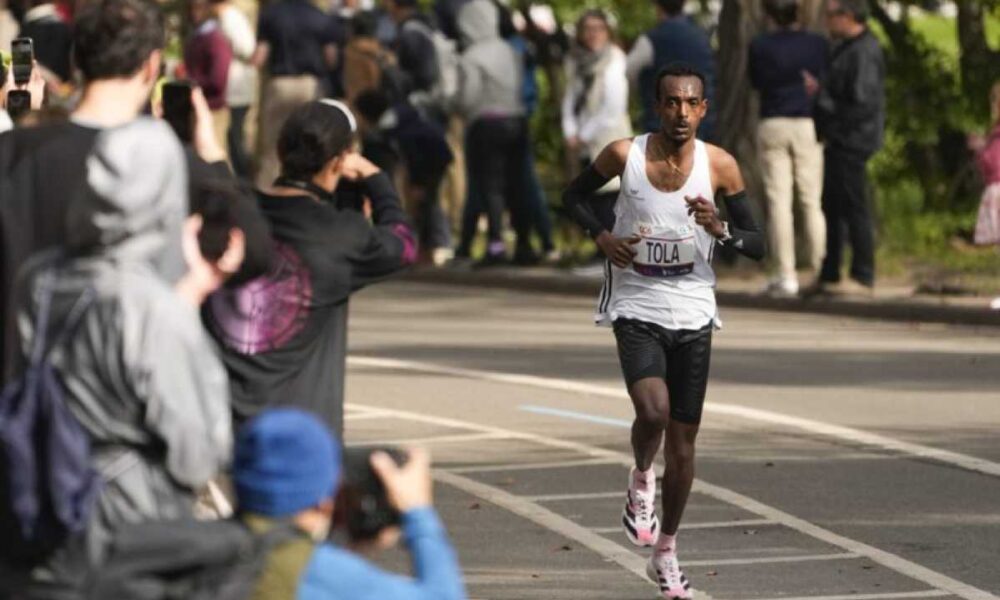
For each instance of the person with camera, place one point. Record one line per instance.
(18, 99)
(287, 471)
(284, 335)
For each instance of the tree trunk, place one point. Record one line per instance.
(977, 62)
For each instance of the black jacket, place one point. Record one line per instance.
(850, 111)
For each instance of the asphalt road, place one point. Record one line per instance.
(838, 458)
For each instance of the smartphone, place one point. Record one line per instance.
(23, 51)
(361, 504)
(178, 111)
(18, 104)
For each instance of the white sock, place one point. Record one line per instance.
(667, 544)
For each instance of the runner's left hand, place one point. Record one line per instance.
(705, 215)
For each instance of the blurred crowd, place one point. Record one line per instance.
(444, 99)
(182, 232)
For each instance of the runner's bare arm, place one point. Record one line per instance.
(610, 163)
(745, 235)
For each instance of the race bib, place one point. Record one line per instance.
(665, 252)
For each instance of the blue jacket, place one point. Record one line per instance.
(336, 574)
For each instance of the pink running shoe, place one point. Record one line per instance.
(666, 572)
(639, 515)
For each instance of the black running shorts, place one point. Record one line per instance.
(680, 357)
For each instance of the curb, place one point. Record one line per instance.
(555, 282)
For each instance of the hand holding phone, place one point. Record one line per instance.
(178, 110)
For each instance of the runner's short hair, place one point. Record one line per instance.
(783, 12)
(671, 7)
(113, 38)
(313, 136)
(678, 69)
(858, 9)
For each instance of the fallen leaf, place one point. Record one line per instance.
(475, 506)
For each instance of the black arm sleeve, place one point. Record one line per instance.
(747, 235)
(577, 198)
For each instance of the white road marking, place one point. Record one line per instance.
(896, 563)
(558, 497)
(438, 439)
(764, 560)
(886, 596)
(364, 416)
(533, 466)
(848, 434)
(703, 525)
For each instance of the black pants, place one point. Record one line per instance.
(432, 224)
(845, 200)
(237, 142)
(493, 148)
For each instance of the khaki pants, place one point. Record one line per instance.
(220, 123)
(792, 164)
(280, 97)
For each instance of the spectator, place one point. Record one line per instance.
(296, 46)
(422, 146)
(675, 39)
(416, 53)
(287, 471)
(159, 429)
(850, 120)
(284, 334)
(446, 13)
(367, 65)
(207, 58)
(117, 48)
(595, 105)
(52, 36)
(988, 158)
(241, 86)
(536, 205)
(490, 100)
(791, 157)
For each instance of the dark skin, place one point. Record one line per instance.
(669, 161)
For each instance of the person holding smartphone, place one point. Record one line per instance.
(18, 99)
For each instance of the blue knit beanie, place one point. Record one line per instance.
(286, 461)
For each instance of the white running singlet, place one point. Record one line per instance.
(670, 282)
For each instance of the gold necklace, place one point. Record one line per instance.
(669, 162)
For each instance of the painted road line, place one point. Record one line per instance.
(564, 464)
(439, 439)
(893, 562)
(703, 525)
(885, 596)
(847, 434)
(559, 497)
(365, 416)
(544, 517)
(765, 560)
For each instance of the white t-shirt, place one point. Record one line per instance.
(670, 282)
(6, 124)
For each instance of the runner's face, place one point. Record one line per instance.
(681, 107)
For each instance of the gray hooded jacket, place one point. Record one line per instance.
(141, 374)
(491, 74)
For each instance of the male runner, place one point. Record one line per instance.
(659, 297)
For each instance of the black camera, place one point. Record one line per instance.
(362, 508)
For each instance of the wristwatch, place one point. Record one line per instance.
(726, 236)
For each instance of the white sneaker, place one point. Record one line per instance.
(782, 288)
(665, 571)
(639, 515)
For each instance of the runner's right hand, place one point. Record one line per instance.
(619, 250)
